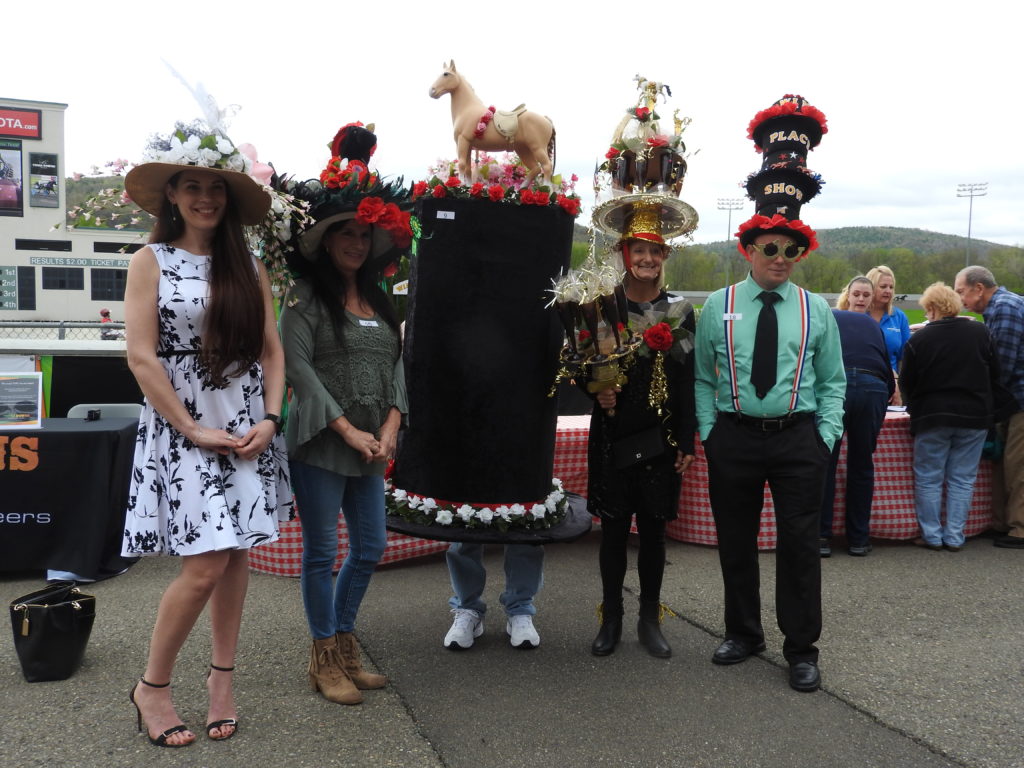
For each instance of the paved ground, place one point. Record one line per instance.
(921, 657)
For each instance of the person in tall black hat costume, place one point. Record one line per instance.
(769, 391)
(641, 433)
(343, 361)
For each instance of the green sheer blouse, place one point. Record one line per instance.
(360, 380)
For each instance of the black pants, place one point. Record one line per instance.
(793, 462)
(650, 562)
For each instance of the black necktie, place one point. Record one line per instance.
(766, 346)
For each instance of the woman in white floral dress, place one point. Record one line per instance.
(210, 478)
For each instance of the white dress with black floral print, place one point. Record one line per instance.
(185, 500)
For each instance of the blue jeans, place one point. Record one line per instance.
(319, 495)
(949, 454)
(864, 414)
(524, 576)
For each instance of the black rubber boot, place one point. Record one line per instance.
(611, 630)
(648, 629)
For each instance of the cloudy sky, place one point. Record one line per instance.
(920, 96)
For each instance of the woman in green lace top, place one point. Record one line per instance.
(343, 362)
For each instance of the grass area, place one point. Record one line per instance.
(914, 315)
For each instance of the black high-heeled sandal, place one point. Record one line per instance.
(161, 740)
(233, 722)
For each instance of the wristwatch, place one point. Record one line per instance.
(274, 418)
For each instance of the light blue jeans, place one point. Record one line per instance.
(524, 576)
(319, 495)
(949, 454)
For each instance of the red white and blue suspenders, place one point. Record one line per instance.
(805, 333)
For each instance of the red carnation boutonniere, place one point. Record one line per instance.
(658, 337)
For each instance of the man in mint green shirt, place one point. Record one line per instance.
(778, 430)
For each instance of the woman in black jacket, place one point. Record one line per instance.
(950, 383)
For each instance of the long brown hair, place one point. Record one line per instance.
(331, 288)
(233, 327)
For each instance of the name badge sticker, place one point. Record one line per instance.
(732, 316)
(368, 323)
(446, 215)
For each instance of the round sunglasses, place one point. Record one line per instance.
(772, 249)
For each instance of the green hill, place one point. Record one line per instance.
(917, 257)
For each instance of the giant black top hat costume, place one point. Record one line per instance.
(481, 348)
(784, 133)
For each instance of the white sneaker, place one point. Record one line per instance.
(521, 632)
(466, 626)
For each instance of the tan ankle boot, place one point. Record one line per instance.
(348, 649)
(327, 675)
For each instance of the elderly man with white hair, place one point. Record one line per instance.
(1004, 315)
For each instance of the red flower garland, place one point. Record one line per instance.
(570, 205)
(778, 221)
(485, 118)
(786, 108)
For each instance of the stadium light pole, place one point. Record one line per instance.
(729, 204)
(970, 191)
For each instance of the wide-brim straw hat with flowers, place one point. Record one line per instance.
(194, 146)
(350, 190)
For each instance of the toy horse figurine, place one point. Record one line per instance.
(529, 135)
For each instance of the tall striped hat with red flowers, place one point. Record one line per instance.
(783, 133)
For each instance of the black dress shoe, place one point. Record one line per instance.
(804, 676)
(1009, 542)
(735, 651)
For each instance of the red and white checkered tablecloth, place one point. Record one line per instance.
(284, 556)
(892, 510)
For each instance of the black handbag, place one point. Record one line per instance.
(51, 629)
(640, 446)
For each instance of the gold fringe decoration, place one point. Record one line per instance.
(659, 384)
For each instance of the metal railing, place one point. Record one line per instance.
(61, 330)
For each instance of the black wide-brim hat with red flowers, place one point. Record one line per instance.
(784, 133)
(349, 190)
